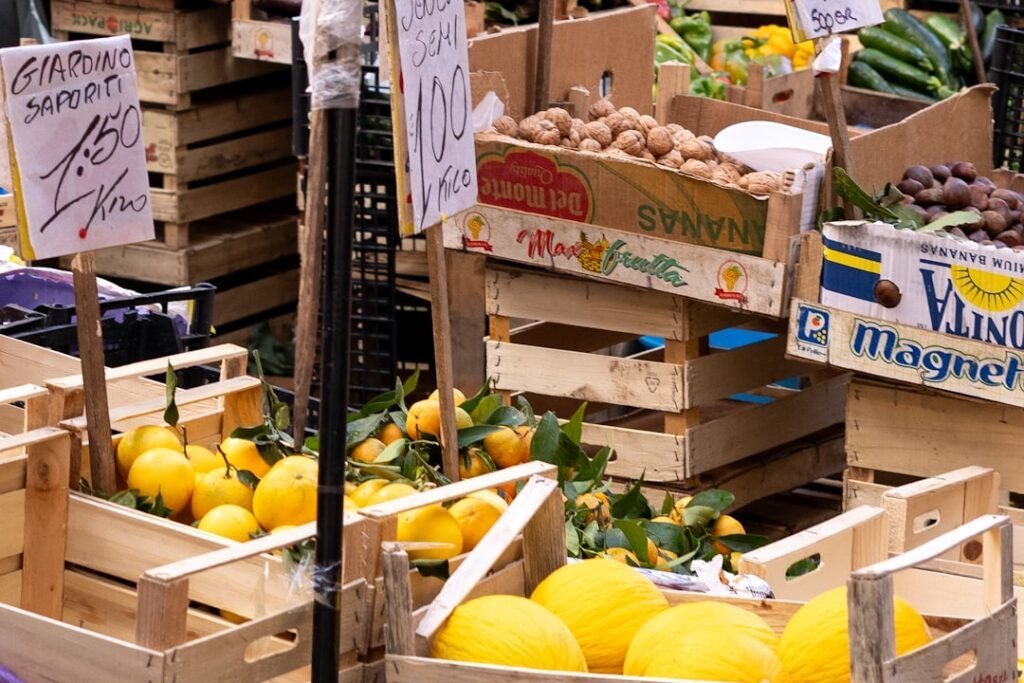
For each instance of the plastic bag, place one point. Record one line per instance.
(331, 34)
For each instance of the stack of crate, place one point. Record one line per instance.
(217, 132)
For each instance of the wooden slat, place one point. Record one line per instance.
(182, 206)
(12, 472)
(567, 337)
(12, 512)
(10, 588)
(642, 384)
(46, 511)
(255, 297)
(184, 30)
(723, 374)
(656, 456)
(241, 152)
(188, 359)
(165, 131)
(165, 78)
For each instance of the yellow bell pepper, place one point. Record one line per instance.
(804, 55)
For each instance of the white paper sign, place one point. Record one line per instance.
(73, 111)
(440, 169)
(819, 18)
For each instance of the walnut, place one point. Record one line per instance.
(674, 128)
(561, 119)
(709, 144)
(590, 145)
(599, 132)
(729, 169)
(632, 114)
(647, 124)
(600, 109)
(673, 159)
(696, 168)
(682, 137)
(720, 175)
(695, 149)
(761, 182)
(567, 143)
(546, 133)
(659, 141)
(528, 126)
(575, 138)
(631, 142)
(506, 125)
(580, 126)
(618, 123)
(648, 156)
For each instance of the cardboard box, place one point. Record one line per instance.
(618, 44)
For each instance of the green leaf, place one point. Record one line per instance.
(574, 427)
(908, 218)
(526, 409)
(742, 543)
(248, 478)
(471, 435)
(698, 514)
(717, 499)
(593, 468)
(632, 503)
(506, 416)
(952, 220)
(496, 13)
(544, 446)
(393, 450)
(846, 188)
(251, 433)
(158, 508)
(171, 409)
(485, 408)
(470, 404)
(891, 196)
(804, 566)
(126, 498)
(437, 569)
(282, 416)
(381, 402)
(572, 539)
(313, 443)
(590, 534)
(635, 535)
(398, 417)
(666, 536)
(363, 428)
(669, 504)
(410, 384)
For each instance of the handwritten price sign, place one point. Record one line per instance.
(440, 168)
(73, 111)
(820, 18)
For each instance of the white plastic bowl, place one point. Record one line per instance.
(769, 146)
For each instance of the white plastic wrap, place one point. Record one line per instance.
(331, 34)
(490, 109)
(830, 59)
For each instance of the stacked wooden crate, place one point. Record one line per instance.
(217, 132)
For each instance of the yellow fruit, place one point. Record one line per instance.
(164, 472)
(815, 647)
(423, 420)
(473, 463)
(677, 510)
(287, 494)
(664, 558)
(462, 419)
(475, 518)
(362, 493)
(491, 497)
(526, 433)
(367, 450)
(665, 520)
(459, 397)
(598, 506)
(283, 527)
(348, 505)
(390, 433)
(431, 524)
(604, 604)
(244, 455)
(350, 487)
(511, 631)
(137, 441)
(725, 526)
(626, 557)
(219, 487)
(709, 655)
(678, 623)
(202, 459)
(230, 521)
(507, 448)
(391, 492)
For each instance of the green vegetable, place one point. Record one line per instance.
(894, 46)
(893, 69)
(708, 86)
(863, 76)
(664, 52)
(954, 37)
(696, 31)
(903, 24)
(994, 20)
(903, 91)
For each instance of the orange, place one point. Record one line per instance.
(508, 491)
(287, 495)
(390, 433)
(726, 526)
(424, 420)
(666, 520)
(664, 557)
(141, 439)
(431, 524)
(459, 397)
(475, 518)
(391, 492)
(244, 455)
(527, 435)
(367, 450)
(626, 557)
(219, 487)
(202, 459)
(507, 447)
(677, 510)
(362, 494)
(164, 472)
(230, 521)
(489, 496)
(473, 463)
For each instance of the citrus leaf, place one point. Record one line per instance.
(251, 433)
(248, 478)
(312, 443)
(393, 450)
(666, 536)
(526, 409)
(506, 416)
(410, 384)
(572, 539)
(471, 435)
(437, 569)
(485, 408)
(574, 427)
(635, 536)
(398, 417)
(544, 446)
(593, 468)
(716, 499)
(470, 404)
(361, 429)
(742, 543)
(282, 416)
(698, 514)
(171, 409)
(126, 498)
(158, 508)
(590, 534)
(669, 504)
(381, 402)
(632, 503)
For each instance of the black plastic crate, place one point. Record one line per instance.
(1008, 74)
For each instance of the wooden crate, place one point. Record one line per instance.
(684, 423)
(986, 633)
(260, 294)
(217, 247)
(178, 52)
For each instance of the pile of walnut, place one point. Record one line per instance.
(626, 132)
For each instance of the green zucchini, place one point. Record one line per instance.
(903, 91)
(863, 76)
(994, 20)
(894, 70)
(949, 31)
(894, 46)
(906, 26)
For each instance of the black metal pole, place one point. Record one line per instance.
(341, 143)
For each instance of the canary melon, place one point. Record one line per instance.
(604, 603)
(710, 655)
(509, 631)
(815, 647)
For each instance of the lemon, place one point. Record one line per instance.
(287, 494)
(473, 463)
(424, 420)
(367, 450)
(364, 492)
(661, 633)
(230, 521)
(725, 526)
(626, 557)
(709, 655)
(491, 497)
(390, 432)
(164, 472)
(665, 520)
(202, 459)
(141, 439)
(459, 397)
(511, 631)
(507, 447)
(677, 510)
(475, 518)
(219, 487)
(665, 557)
(431, 524)
(815, 646)
(392, 491)
(244, 455)
(348, 506)
(604, 604)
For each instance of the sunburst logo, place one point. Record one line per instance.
(984, 289)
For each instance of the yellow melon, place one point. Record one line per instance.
(508, 631)
(709, 655)
(815, 647)
(604, 603)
